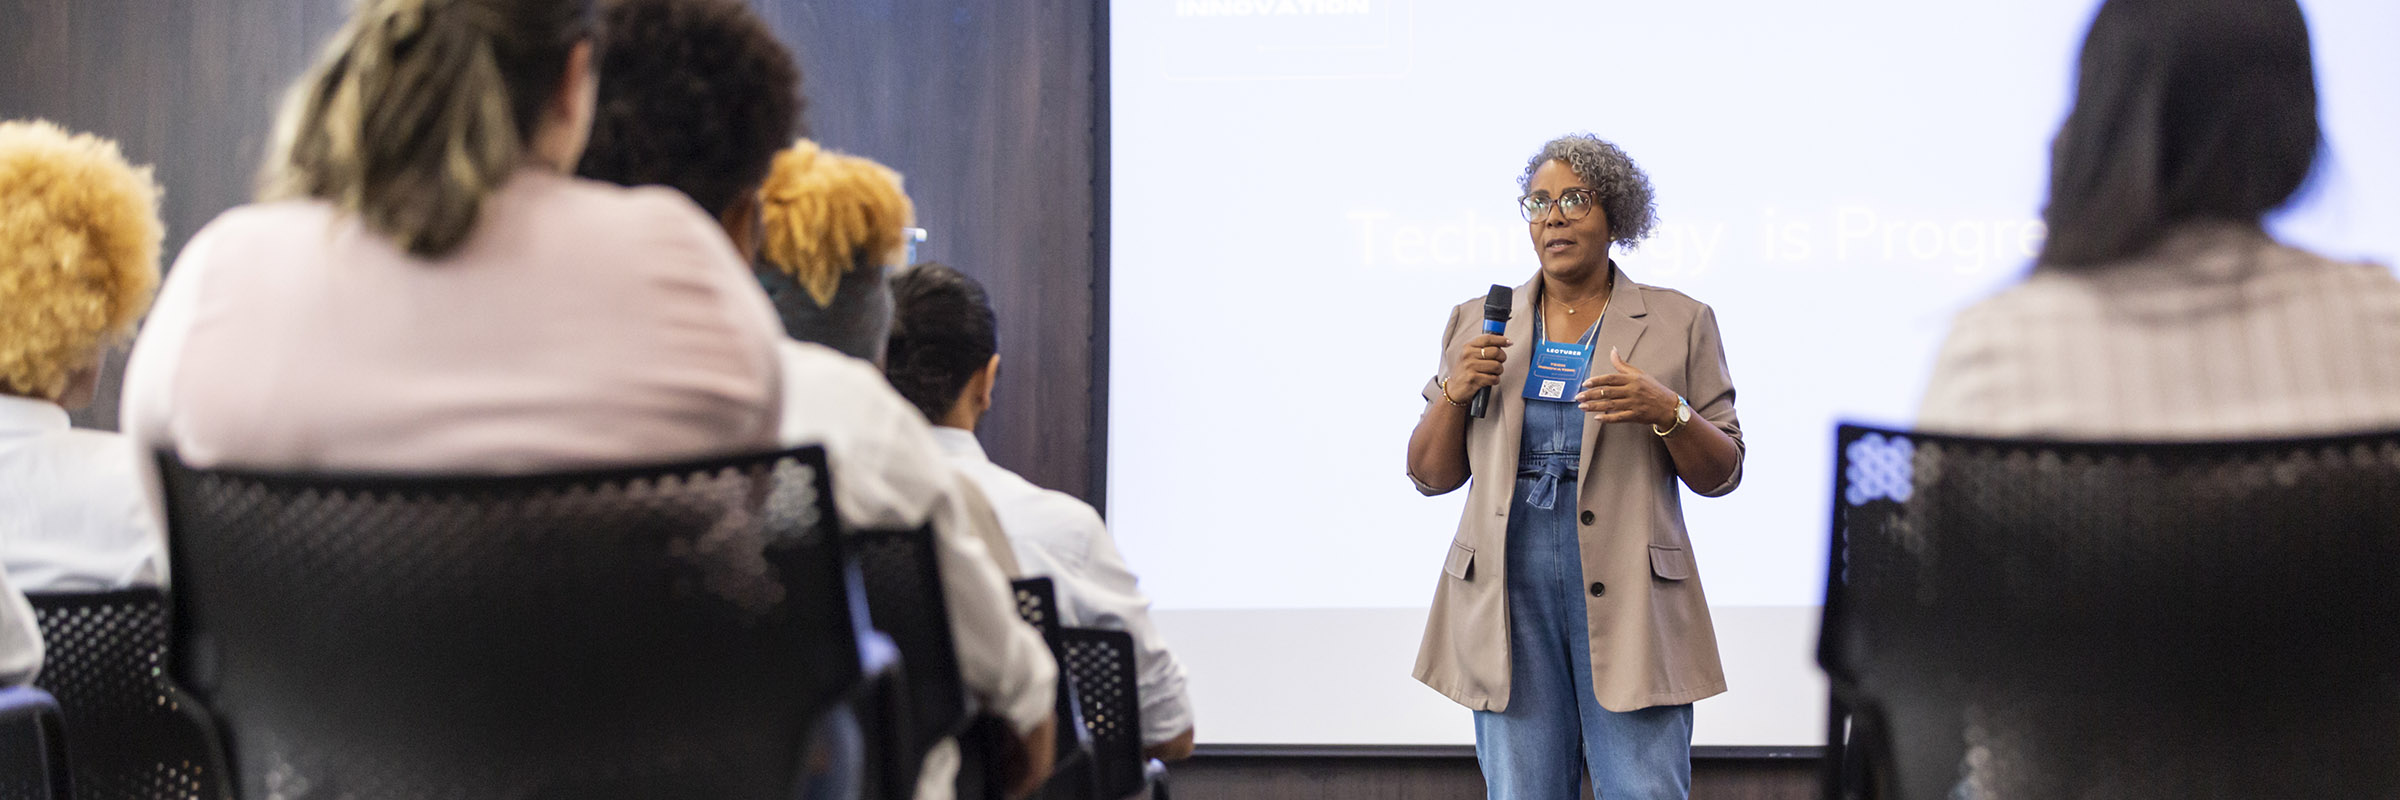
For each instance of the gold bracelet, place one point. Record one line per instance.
(1445, 390)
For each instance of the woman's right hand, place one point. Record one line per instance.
(1437, 449)
(1475, 365)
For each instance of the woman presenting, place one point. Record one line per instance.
(1569, 614)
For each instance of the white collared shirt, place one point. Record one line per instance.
(1060, 537)
(888, 472)
(72, 516)
(71, 519)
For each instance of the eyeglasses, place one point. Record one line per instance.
(1575, 203)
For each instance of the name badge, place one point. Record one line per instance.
(1557, 369)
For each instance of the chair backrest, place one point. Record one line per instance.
(1100, 664)
(1037, 603)
(906, 602)
(33, 759)
(2054, 619)
(657, 632)
(1073, 777)
(136, 735)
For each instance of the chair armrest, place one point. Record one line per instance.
(33, 745)
(878, 656)
(1155, 774)
(882, 708)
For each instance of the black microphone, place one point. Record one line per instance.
(1495, 320)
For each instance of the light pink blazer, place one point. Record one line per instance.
(582, 324)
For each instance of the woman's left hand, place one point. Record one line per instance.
(1627, 395)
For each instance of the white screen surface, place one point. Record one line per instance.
(1301, 191)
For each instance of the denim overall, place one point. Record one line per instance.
(1554, 729)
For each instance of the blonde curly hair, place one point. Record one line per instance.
(828, 212)
(79, 241)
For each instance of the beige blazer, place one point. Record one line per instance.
(1651, 640)
(2216, 332)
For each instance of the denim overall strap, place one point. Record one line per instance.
(1553, 436)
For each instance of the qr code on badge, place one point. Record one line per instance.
(1552, 390)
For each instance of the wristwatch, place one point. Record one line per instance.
(1683, 414)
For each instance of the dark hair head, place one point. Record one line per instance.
(420, 109)
(2185, 110)
(696, 94)
(943, 330)
(856, 321)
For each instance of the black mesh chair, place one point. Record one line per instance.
(2011, 619)
(33, 758)
(1100, 663)
(136, 735)
(666, 632)
(929, 701)
(1073, 776)
(1037, 603)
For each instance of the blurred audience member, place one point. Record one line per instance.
(834, 226)
(944, 357)
(427, 290)
(79, 242)
(699, 97)
(2160, 308)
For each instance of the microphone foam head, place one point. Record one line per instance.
(1497, 303)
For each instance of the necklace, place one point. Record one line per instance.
(1604, 289)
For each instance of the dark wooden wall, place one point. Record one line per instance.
(987, 108)
(188, 86)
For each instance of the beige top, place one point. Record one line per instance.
(581, 325)
(1652, 643)
(2219, 332)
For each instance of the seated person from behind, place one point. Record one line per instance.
(2160, 306)
(79, 242)
(944, 358)
(449, 298)
(699, 98)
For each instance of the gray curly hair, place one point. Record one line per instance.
(1624, 189)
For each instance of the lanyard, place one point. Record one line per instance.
(1589, 339)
